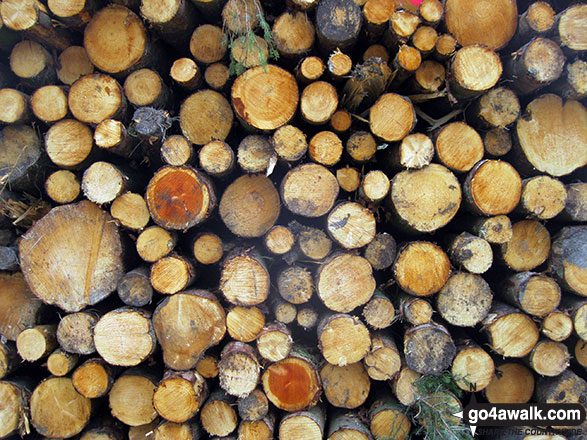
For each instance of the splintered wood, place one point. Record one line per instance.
(293, 220)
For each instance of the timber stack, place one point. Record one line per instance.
(301, 219)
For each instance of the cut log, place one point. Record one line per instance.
(254, 154)
(414, 152)
(284, 312)
(557, 326)
(427, 199)
(428, 78)
(125, 337)
(567, 259)
(13, 412)
(218, 416)
(9, 359)
(253, 407)
(279, 240)
(459, 147)
(325, 148)
(580, 353)
(403, 386)
(367, 82)
(238, 369)
(63, 187)
(60, 363)
(94, 378)
(534, 293)
(207, 248)
(36, 342)
(543, 197)
(414, 310)
(207, 366)
(94, 98)
(345, 386)
(145, 87)
(180, 197)
(49, 104)
(182, 343)
(383, 361)
(293, 384)
(333, 30)
(473, 70)
(244, 279)
(428, 348)
(502, 322)
(311, 424)
(318, 102)
(206, 44)
(112, 136)
(180, 395)
(464, 300)
(492, 187)
(172, 20)
(348, 179)
(421, 268)
(172, 274)
(565, 388)
(57, 409)
(295, 284)
(446, 46)
(307, 318)
(155, 243)
(388, 419)
(131, 398)
(424, 39)
(499, 107)
(14, 107)
(310, 69)
(130, 209)
(134, 289)
(142, 432)
(576, 203)
(339, 65)
(217, 158)
(345, 282)
(377, 14)
(343, 339)
(512, 383)
(176, 150)
(483, 22)
(258, 429)
(374, 186)
(75, 14)
(573, 83)
(309, 190)
(32, 64)
(186, 73)
(361, 146)
(407, 60)
(103, 182)
(289, 143)
(381, 251)
(472, 367)
(244, 324)
(470, 252)
(431, 11)
(69, 143)
(402, 25)
(392, 125)
(186, 431)
(549, 358)
(249, 51)
(21, 158)
(569, 29)
(274, 342)
(265, 97)
(347, 425)
(351, 225)
(577, 310)
(250, 206)
(205, 116)
(529, 246)
(538, 20)
(98, 259)
(293, 34)
(497, 142)
(73, 63)
(547, 116)
(75, 332)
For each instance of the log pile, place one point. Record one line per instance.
(301, 219)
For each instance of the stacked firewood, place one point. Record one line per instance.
(301, 219)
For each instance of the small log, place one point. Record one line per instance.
(206, 44)
(345, 386)
(466, 82)
(497, 142)
(253, 407)
(310, 69)
(348, 179)
(103, 182)
(176, 150)
(471, 252)
(217, 158)
(381, 251)
(549, 358)
(459, 147)
(376, 51)
(512, 383)
(498, 108)
(218, 416)
(274, 342)
(131, 398)
(142, 432)
(480, 23)
(529, 246)
(180, 197)
(66, 415)
(536, 21)
(502, 322)
(145, 87)
(383, 361)
(341, 122)
(255, 101)
(130, 210)
(244, 324)
(388, 419)
(376, 14)
(567, 259)
(392, 125)
(424, 39)
(279, 240)
(576, 203)
(351, 225)
(257, 430)
(543, 197)
(295, 284)
(69, 143)
(307, 318)
(22, 159)
(244, 279)
(155, 243)
(188, 431)
(576, 308)
(374, 186)
(343, 339)
(428, 348)
(361, 146)
(557, 326)
(254, 154)
(112, 136)
(75, 14)
(60, 363)
(248, 51)
(181, 343)
(325, 148)
(293, 384)
(568, 30)
(402, 25)
(207, 248)
(284, 312)
(565, 388)
(205, 116)
(339, 65)
(534, 293)
(207, 366)
(548, 114)
(345, 282)
(318, 102)
(36, 342)
(180, 395)
(309, 190)
(125, 337)
(9, 359)
(572, 84)
(407, 60)
(535, 65)
(347, 425)
(341, 34)
(293, 34)
(93, 378)
(63, 187)
(186, 73)
(173, 20)
(472, 367)
(446, 46)
(368, 81)
(415, 151)
(14, 107)
(96, 97)
(428, 78)
(15, 397)
(134, 288)
(311, 424)
(431, 11)
(289, 143)
(403, 386)
(75, 332)
(414, 310)
(238, 369)
(495, 230)
(465, 300)
(580, 353)
(421, 268)
(72, 64)
(172, 274)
